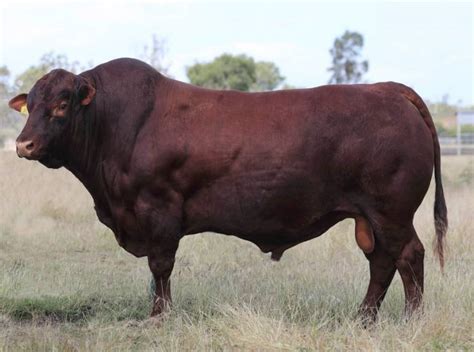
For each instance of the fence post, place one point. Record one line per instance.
(458, 134)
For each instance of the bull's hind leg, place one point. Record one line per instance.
(410, 267)
(382, 270)
(397, 248)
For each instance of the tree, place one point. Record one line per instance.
(4, 78)
(287, 86)
(267, 76)
(225, 72)
(10, 122)
(4, 95)
(155, 53)
(347, 65)
(25, 81)
(239, 72)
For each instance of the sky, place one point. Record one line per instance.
(426, 45)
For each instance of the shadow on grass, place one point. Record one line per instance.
(51, 309)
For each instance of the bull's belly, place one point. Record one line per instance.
(259, 206)
(278, 233)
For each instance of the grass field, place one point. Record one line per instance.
(66, 285)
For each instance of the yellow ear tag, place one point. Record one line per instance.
(24, 110)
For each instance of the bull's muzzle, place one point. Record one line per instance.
(25, 149)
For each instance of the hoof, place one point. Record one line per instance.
(367, 317)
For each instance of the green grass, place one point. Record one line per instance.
(66, 285)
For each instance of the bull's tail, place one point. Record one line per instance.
(440, 210)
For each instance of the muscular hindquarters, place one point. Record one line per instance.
(383, 156)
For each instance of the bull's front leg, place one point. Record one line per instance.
(161, 262)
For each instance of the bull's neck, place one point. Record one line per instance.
(84, 147)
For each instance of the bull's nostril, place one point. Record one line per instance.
(29, 146)
(25, 149)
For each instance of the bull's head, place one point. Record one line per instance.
(53, 103)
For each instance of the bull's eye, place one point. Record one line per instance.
(62, 106)
(60, 110)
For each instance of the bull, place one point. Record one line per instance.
(163, 159)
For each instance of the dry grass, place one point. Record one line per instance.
(66, 285)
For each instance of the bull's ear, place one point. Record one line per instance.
(85, 90)
(18, 103)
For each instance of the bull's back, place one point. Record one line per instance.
(321, 129)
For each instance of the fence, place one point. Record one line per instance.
(463, 144)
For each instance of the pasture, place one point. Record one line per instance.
(65, 284)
